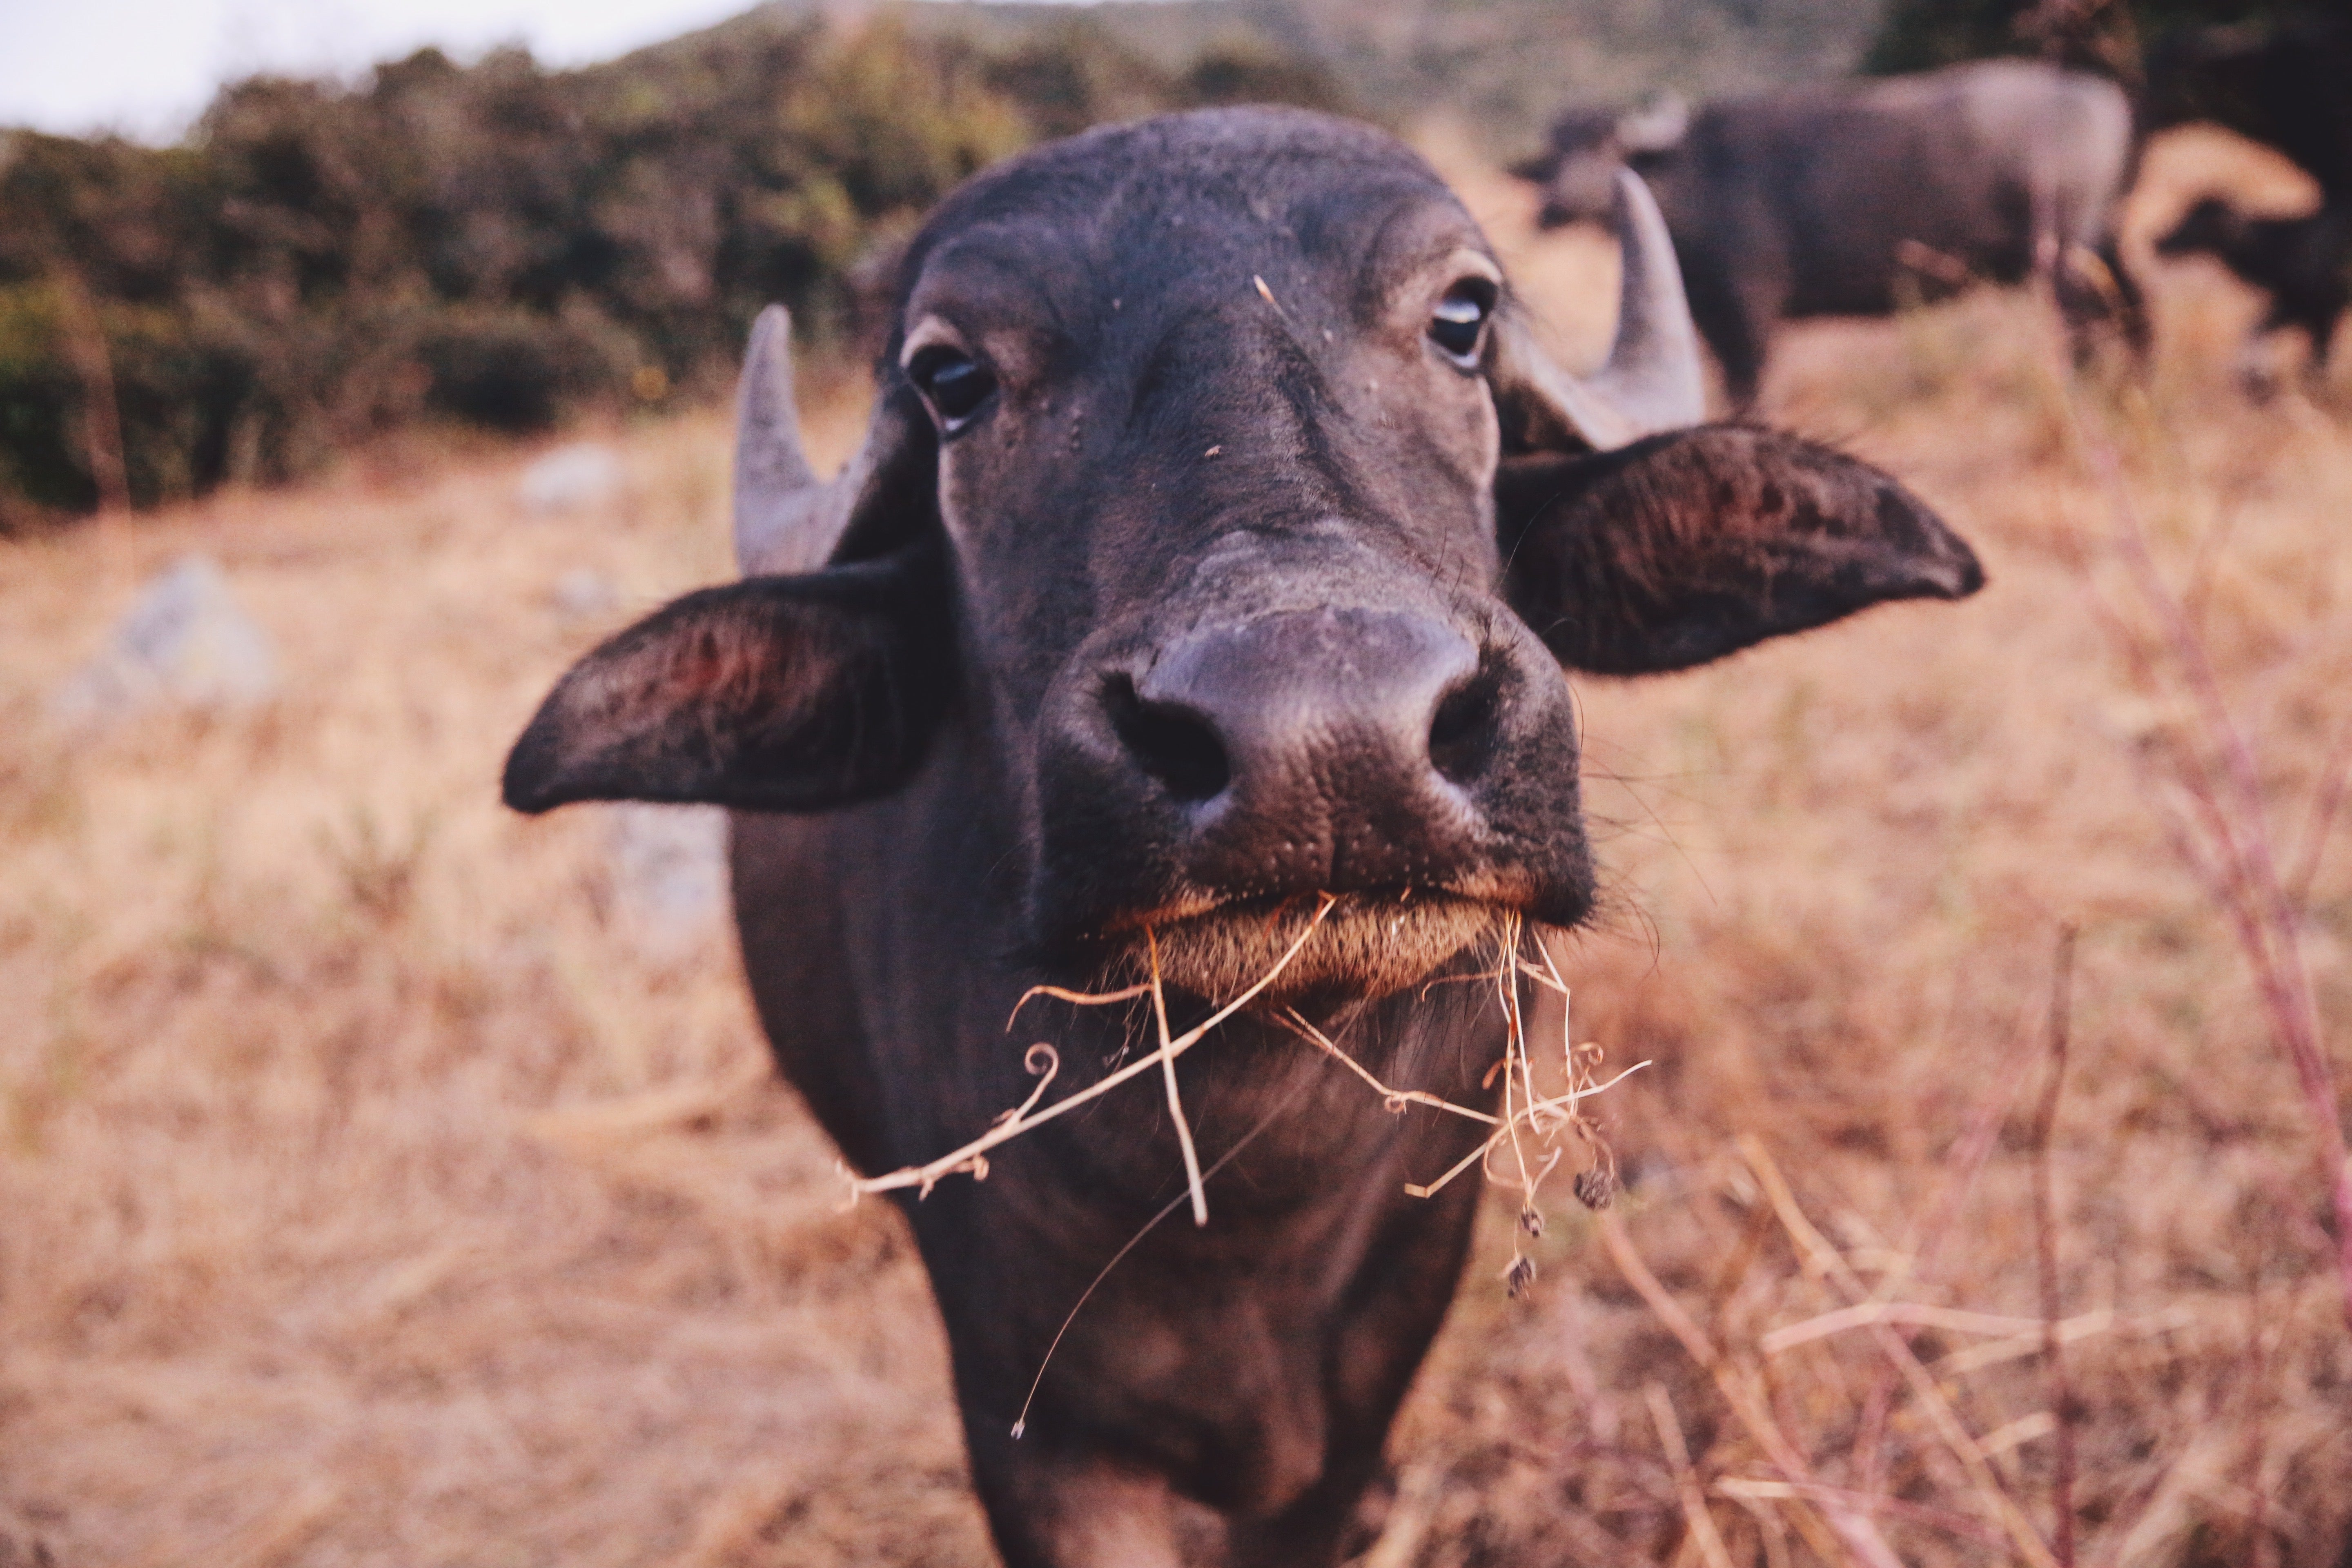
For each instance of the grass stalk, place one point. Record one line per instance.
(1946, 1422)
(1175, 1096)
(2045, 1248)
(1851, 1526)
(971, 1159)
(1701, 1523)
(2241, 871)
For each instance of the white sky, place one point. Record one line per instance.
(148, 67)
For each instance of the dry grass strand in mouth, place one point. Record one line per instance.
(1527, 1115)
(1546, 1116)
(1175, 1096)
(1367, 945)
(972, 1158)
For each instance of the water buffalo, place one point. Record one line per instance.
(1856, 198)
(1208, 571)
(2302, 264)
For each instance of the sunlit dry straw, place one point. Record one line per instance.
(1524, 1107)
(1168, 1070)
(2045, 1248)
(1916, 1315)
(2227, 840)
(971, 1159)
(1703, 1532)
(1744, 1392)
(1558, 1106)
(1746, 1490)
(1546, 1116)
(1945, 1422)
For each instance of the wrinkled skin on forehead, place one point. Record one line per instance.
(1247, 583)
(1137, 338)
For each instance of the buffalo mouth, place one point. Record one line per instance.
(1297, 952)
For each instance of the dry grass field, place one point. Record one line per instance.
(374, 1189)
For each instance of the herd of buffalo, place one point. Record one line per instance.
(1193, 627)
(1856, 199)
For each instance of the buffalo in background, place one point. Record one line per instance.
(1856, 199)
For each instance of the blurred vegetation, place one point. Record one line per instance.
(1500, 69)
(499, 244)
(503, 246)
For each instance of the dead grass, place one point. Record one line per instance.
(370, 1192)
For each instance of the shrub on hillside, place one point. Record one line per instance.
(496, 244)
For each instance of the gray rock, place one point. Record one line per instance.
(577, 478)
(583, 592)
(185, 644)
(669, 871)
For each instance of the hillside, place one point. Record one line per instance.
(1501, 67)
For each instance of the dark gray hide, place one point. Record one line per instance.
(1215, 546)
(2302, 265)
(1857, 198)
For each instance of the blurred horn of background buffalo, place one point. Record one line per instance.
(1858, 198)
(1216, 547)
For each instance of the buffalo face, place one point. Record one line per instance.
(1218, 501)
(1587, 148)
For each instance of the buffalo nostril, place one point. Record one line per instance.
(1172, 744)
(1462, 732)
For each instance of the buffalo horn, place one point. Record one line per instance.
(1652, 381)
(1653, 377)
(786, 519)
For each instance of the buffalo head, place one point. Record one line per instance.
(1218, 500)
(1587, 149)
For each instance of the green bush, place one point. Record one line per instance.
(496, 244)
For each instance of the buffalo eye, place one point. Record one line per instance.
(953, 382)
(1459, 324)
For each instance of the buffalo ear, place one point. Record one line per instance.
(1690, 545)
(771, 694)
